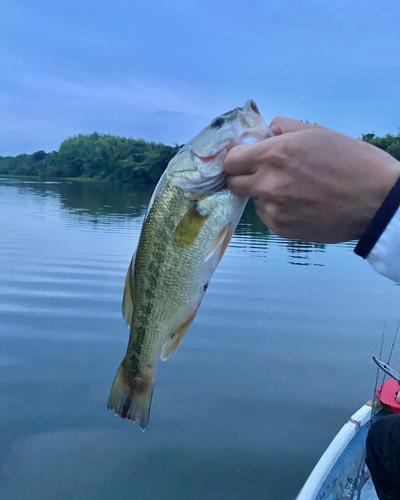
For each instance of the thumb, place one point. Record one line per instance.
(282, 125)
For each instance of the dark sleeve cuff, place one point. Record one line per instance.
(379, 222)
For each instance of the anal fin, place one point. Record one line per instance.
(176, 337)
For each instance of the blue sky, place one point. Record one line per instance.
(161, 70)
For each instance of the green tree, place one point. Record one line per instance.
(389, 143)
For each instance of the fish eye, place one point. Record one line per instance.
(253, 106)
(217, 122)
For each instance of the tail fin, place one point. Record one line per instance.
(130, 398)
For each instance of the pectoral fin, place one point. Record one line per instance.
(176, 337)
(218, 242)
(225, 243)
(127, 301)
(189, 228)
(222, 242)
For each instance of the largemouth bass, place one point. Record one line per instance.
(189, 222)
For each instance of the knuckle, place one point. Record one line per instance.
(275, 214)
(281, 219)
(240, 160)
(273, 218)
(278, 157)
(275, 188)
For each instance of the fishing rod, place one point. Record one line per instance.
(387, 369)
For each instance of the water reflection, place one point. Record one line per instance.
(299, 252)
(105, 203)
(255, 237)
(94, 198)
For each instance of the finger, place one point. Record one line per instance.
(242, 185)
(242, 160)
(267, 211)
(282, 125)
(262, 212)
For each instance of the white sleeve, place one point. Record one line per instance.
(385, 254)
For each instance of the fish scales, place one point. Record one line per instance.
(189, 223)
(157, 289)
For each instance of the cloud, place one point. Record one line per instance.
(138, 93)
(177, 113)
(41, 106)
(41, 109)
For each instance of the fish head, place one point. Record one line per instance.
(199, 166)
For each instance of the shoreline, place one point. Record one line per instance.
(54, 179)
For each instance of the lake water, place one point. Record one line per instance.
(277, 359)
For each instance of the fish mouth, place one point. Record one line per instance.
(215, 183)
(210, 181)
(246, 137)
(223, 147)
(211, 158)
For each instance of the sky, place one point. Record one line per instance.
(161, 70)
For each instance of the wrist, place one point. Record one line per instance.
(379, 222)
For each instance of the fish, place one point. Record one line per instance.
(188, 225)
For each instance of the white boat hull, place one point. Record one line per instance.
(340, 473)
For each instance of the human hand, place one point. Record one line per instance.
(311, 183)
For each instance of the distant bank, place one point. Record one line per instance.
(97, 157)
(94, 157)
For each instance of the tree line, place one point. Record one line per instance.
(96, 156)
(111, 158)
(389, 143)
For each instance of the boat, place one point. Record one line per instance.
(341, 473)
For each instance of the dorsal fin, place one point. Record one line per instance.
(127, 301)
(175, 338)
